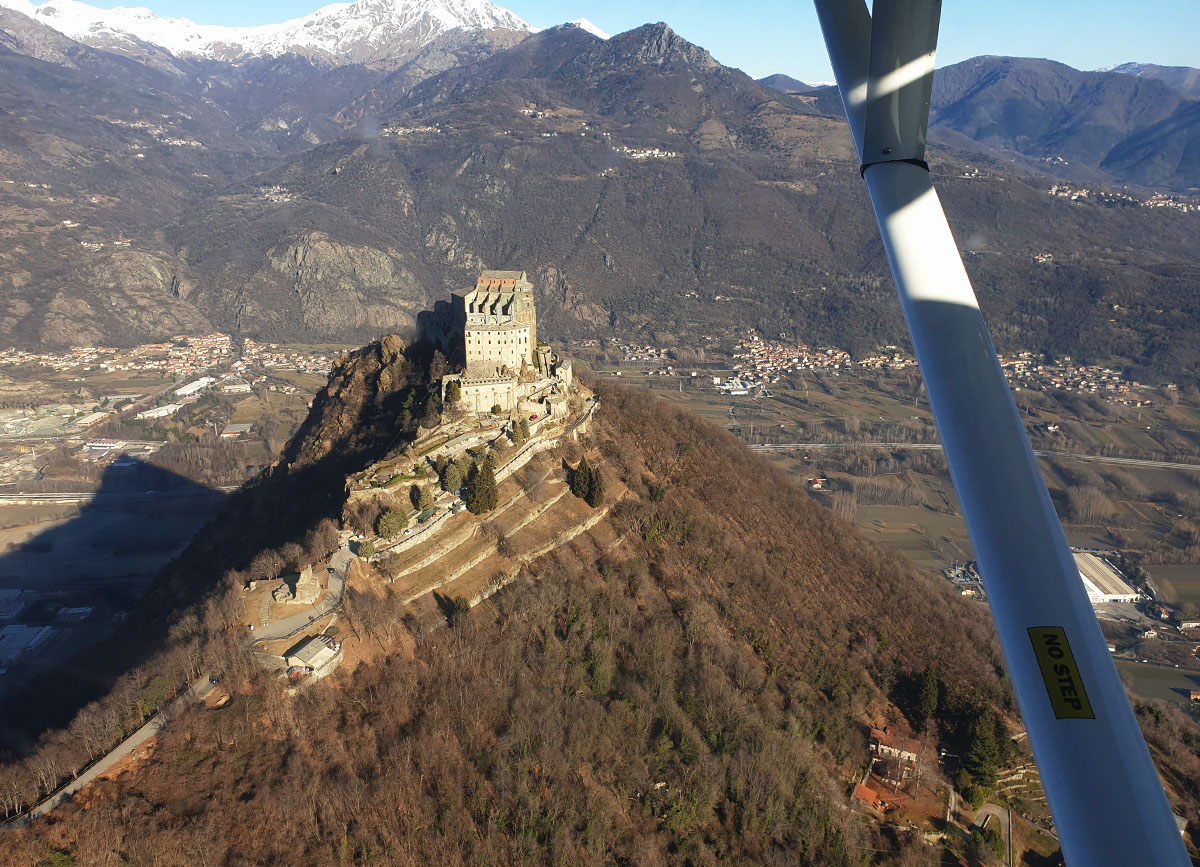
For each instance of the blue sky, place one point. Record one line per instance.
(776, 36)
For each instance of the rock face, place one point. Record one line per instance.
(128, 293)
(346, 287)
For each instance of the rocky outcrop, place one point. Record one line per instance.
(128, 296)
(343, 288)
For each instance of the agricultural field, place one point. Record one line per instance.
(1160, 682)
(1177, 585)
(903, 497)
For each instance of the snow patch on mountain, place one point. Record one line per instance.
(584, 24)
(1125, 68)
(362, 31)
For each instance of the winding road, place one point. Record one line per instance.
(198, 691)
(1041, 453)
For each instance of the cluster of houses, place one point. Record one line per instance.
(183, 355)
(1026, 370)
(758, 361)
(276, 194)
(644, 153)
(271, 356)
(1075, 193)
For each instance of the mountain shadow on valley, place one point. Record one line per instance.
(71, 587)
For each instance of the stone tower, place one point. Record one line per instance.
(498, 322)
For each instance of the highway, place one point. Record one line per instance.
(90, 496)
(1041, 453)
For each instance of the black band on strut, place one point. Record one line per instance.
(862, 171)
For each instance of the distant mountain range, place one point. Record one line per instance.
(1110, 126)
(361, 32)
(786, 84)
(1135, 123)
(1183, 78)
(645, 187)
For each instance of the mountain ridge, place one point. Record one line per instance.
(364, 31)
(646, 187)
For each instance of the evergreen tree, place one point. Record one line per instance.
(927, 698)
(581, 479)
(523, 428)
(982, 755)
(425, 501)
(453, 391)
(392, 523)
(484, 494)
(595, 491)
(453, 476)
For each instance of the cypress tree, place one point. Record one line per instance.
(484, 494)
(581, 479)
(927, 699)
(982, 753)
(452, 477)
(595, 492)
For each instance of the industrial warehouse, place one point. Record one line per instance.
(1103, 582)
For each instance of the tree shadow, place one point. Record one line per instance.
(71, 587)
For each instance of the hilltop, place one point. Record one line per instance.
(698, 673)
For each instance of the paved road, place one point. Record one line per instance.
(196, 692)
(340, 563)
(1001, 821)
(1041, 453)
(90, 496)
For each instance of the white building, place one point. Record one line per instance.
(1102, 581)
(18, 640)
(193, 387)
(160, 411)
(315, 656)
(90, 419)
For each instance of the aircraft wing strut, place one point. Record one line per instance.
(1108, 803)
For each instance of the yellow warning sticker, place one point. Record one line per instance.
(1063, 681)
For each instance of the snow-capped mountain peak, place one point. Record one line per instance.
(359, 32)
(584, 24)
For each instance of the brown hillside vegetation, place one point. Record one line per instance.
(688, 701)
(699, 694)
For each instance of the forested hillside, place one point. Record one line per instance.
(699, 691)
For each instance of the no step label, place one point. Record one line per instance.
(1063, 681)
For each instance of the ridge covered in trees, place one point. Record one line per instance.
(700, 692)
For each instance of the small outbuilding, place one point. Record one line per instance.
(315, 657)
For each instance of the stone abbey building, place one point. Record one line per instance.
(489, 333)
